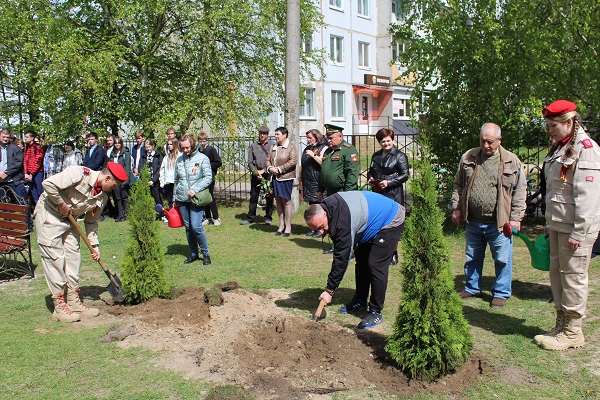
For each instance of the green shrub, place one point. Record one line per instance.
(431, 337)
(143, 267)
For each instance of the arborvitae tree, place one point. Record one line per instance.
(431, 337)
(143, 267)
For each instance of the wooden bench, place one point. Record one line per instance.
(15, 239)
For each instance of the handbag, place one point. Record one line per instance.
(201, 198)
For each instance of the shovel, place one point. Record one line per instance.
(319, 311)
(115, 289)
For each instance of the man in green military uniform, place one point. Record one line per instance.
(341, 166)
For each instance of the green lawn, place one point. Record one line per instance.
(42, 359)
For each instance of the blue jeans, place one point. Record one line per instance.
(192, 219)
(478, 235)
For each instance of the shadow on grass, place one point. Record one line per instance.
(520, 290)
(308, 299)
(178, 249)
(498, 323)
(311, 243)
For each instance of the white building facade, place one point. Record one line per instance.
(358, 89)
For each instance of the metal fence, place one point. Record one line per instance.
(233, 178)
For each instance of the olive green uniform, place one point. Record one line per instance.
(340, 169)
(58, 240)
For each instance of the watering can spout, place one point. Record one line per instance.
(538, 249)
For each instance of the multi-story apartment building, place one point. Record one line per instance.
(358, 89)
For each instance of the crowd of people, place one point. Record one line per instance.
(488, 195)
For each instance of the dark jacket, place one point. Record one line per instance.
(154, 166)
(134, 150)
(124, 159)
(14, 164)
(393, 168)
(354, 217)
(310, 172)
(96, 161)
(214, 157)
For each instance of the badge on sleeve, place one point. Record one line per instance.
(354, 157)
(589, 178)
(587, 143)
(86, 170)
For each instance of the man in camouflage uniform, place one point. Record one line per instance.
(340, 168)
(78, 191)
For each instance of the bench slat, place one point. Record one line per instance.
(13, 216)
(14, 208)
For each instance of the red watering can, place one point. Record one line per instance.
(173, 215)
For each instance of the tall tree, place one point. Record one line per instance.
(479, 61)
(153, 64)
(431, 337)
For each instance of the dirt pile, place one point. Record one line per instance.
(250, 342)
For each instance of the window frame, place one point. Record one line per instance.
(334, 40)
(366, 6)
(363, 54)
(336, 6)
(308, 101)
(337, 105)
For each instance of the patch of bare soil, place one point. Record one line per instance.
(250, 342)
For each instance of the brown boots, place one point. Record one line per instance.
(62, 312)
(558, 327)
(571, 335)
(77, 306)
(73, 309)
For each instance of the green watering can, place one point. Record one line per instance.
(538, 249)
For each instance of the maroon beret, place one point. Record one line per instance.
(117, 170)
(559, 107)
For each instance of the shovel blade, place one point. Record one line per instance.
(116, 292)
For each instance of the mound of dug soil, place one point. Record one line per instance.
(250, 342)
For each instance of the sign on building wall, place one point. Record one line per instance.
(378, 80)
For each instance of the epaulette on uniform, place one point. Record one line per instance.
(346, 144)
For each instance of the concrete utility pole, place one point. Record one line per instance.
(292, 85)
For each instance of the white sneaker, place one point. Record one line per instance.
(217, 221)
(164, 219)
(207, 221)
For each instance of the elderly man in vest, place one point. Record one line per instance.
(489, 191)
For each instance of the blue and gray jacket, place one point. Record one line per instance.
(355, 217)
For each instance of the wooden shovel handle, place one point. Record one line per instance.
(89, 245)
(320, 310)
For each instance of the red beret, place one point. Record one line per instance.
(559, 107)
(117, 170)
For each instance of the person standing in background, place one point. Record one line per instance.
(311, 159)
(33, 165)
(211, 212)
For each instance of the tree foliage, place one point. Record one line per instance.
(430, 335)
(497, 61)
(150, 64)
(143, 267)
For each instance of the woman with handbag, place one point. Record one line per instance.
(281, 164)
(192, 178)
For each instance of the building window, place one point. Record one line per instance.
(397, 9)
(307, 43)
(401, 108)
(363, 54)
(307, 109)
(397, 50)
(336, 49)
(363, 8)
(337, 104)
(335, 3)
